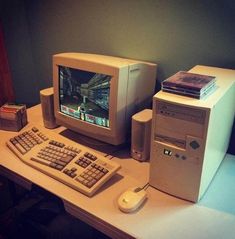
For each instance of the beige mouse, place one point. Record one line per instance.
(131, 199)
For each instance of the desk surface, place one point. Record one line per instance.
(162, 215)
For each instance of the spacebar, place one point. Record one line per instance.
(41, 161)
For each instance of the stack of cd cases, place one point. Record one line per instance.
(189, 84)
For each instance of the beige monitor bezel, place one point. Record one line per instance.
(115, 134)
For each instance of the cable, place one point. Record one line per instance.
(145, 186)
(142, 188)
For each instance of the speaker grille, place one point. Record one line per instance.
(138, 136)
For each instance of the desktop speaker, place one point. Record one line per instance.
(47, 105)
(141, 134)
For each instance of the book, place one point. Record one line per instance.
(189, 84)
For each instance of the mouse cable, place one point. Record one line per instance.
(145, 186)
(142, 188)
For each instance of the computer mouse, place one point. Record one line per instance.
(131, 199)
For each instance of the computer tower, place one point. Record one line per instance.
(190, 137)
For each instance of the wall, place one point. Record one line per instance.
(176, 34)
(18, 44)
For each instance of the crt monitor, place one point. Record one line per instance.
(96, 95)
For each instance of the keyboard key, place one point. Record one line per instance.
(20, 148)
(41, 161)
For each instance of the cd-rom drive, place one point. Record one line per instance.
(180, 112)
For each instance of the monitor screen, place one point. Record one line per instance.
(84, 95)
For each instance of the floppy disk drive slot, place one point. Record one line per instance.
(170, 141)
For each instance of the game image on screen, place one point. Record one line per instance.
(85, 95)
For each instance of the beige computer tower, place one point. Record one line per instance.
(190, 137)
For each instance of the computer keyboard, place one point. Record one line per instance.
(61, 158)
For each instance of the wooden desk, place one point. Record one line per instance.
(162, 216)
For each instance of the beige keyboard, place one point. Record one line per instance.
(70, 163)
